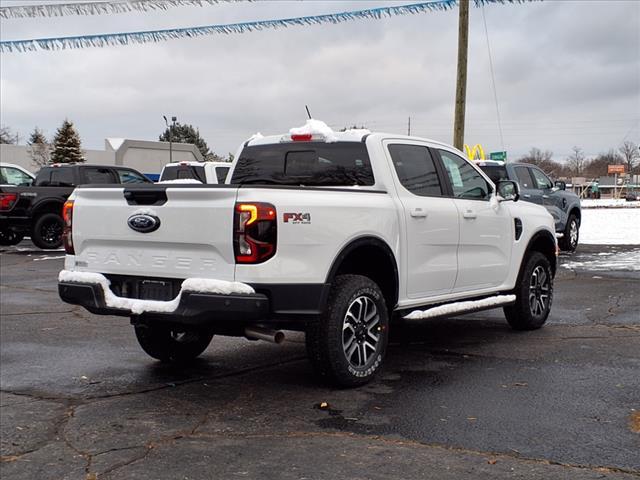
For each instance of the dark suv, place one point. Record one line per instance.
(536, 187)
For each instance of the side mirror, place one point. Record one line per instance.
(560, 185)
(508, 190)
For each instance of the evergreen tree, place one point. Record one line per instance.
(180, 133)
(6, 136)
(66, 145)
(39, 149)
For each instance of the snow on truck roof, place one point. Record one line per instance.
(317, 130)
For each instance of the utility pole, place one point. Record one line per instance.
(409, 127)
(461, 82)
(171, 128)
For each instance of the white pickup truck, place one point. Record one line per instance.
(203, 172)
(333, 234)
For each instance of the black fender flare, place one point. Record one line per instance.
(366, 241)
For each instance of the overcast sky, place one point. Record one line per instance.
(567, 73)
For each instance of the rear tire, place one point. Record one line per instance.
(534, 294)
(47, 231)
(346, 346)
(172, 344)
(569, 240)
(9, 237)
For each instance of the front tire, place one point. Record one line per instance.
(534, 294)
(172, 344)
(347, 344)
(47, 231)
(569, 241)
(9, 237)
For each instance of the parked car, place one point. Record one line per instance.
(333, 234)
(36, 210)
(11, 174)
(204, 172)
(537, 187)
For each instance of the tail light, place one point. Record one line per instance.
(67, 217)
(255, 232)
(7, 201)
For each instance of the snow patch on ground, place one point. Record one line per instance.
(316, 127)
(608, 226)
(608, 203)
(605, 262)
(136, 306)
(460, 307)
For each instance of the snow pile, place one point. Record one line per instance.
(605, 261)
(255, 136)
(461, 307)
(136, 306)
(608, 203)
(182, 180)
(610, 226)
(316, 127)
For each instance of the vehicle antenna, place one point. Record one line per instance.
(308, 112)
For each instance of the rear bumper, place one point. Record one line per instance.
(194, 308)
(282, 305)
(16, 224)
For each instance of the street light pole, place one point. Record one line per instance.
(173, 126)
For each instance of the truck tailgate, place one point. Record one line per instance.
(194, 237)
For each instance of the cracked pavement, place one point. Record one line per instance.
(458, 398)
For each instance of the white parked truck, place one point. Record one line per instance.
(333, 234)
(203, 172)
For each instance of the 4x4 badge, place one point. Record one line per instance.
(296, 218)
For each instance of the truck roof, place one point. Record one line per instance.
(330, 136)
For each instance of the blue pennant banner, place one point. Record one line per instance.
(155, 36)
(101, 7)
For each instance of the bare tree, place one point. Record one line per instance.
(544, 160)
(598, 166)
(39, 149)
(630, 154)
(576, 161)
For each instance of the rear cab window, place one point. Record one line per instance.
(180, 172)
(221, 174)
(304, 164)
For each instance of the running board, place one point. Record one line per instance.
(456, 308)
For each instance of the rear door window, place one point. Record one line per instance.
(95, 175)
(308, 163)
(13, 176)
(523, 176)
(415, 169)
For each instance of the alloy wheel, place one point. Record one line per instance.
(361, 332)
(539, 289)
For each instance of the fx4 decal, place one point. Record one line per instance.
(296, 218)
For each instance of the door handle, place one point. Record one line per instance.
(418, 213)
(545, 196)
(526, 195)
(470, 214)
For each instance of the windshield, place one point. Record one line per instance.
(308, 163)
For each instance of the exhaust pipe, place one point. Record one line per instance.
(267, 334)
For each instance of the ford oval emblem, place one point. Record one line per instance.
(143, 223)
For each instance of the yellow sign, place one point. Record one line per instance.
(475, 153)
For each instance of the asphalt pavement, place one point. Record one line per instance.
(458, 398)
